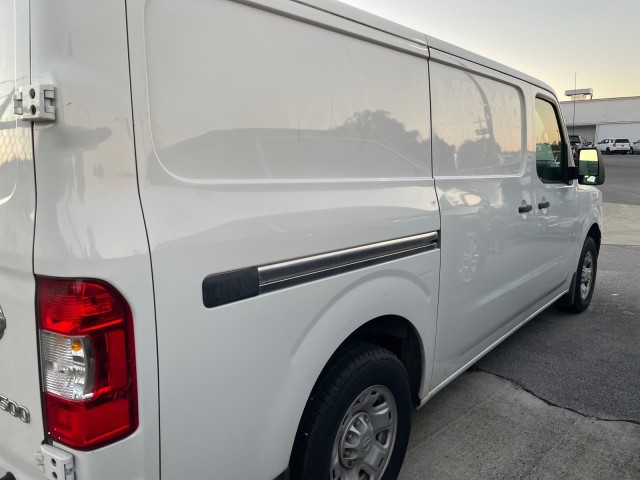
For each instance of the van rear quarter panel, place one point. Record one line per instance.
(263, 138)
(19, 374)
(89, 221)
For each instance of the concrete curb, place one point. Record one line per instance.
(618, 229)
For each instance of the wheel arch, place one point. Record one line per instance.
(391, 332)
(399, 336)
(595, 233)
(394, 308)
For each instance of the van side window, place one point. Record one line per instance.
(283, 115)
(478, 127)
(550, 158)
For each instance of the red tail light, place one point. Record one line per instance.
(88, 362)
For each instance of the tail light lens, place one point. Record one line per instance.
(88, 362)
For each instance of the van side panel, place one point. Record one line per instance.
(89, 221)
(266, 135)
(559, 242)
(482, 168)
(19, 374)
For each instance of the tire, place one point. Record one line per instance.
(357, 419)
(585, 277)
(608, 151)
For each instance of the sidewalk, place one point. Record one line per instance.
(618, 228)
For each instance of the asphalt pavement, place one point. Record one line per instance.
(588, 363)
(561, 397)
(622, 173)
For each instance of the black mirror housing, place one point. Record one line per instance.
(573, 173)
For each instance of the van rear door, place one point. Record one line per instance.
(21, 427)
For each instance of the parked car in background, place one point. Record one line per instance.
(635, 147)
(614, 145)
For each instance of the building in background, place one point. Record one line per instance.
(603, 118)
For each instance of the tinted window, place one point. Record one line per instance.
(549, 145)
(477, 124)
(622, 140)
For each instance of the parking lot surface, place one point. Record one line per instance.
(561, 397)
(486, 427)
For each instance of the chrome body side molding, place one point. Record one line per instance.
(220, 289)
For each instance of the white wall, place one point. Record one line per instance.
(618, 130)
(612, 117)
(598, 112)
(588, 132)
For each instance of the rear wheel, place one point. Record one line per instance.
(357, 420)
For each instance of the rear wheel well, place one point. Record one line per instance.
(397, 335)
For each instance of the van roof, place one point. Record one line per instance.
(384, 25)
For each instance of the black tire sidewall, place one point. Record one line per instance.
(581, 304)
(385, 369)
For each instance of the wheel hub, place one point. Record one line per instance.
(356, 440)
(366, 437)
(586, 276)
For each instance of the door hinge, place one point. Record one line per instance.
(56, 464)
(35, 103)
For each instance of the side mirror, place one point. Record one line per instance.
(590, 167)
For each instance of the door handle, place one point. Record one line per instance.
(525, 209)
(543, 205)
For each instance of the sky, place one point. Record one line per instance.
(595, 41)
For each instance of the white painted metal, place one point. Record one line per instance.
(35, 103)
(475, 60)
(19, 377)
(482, 166)
(89, 221)
(265, 132)
(558, 242)
(304, 141)
(55, 464)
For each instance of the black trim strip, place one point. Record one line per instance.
(223, 288)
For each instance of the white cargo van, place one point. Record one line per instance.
(244, 239)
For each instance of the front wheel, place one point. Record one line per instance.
(357, 420)
(585, 277)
